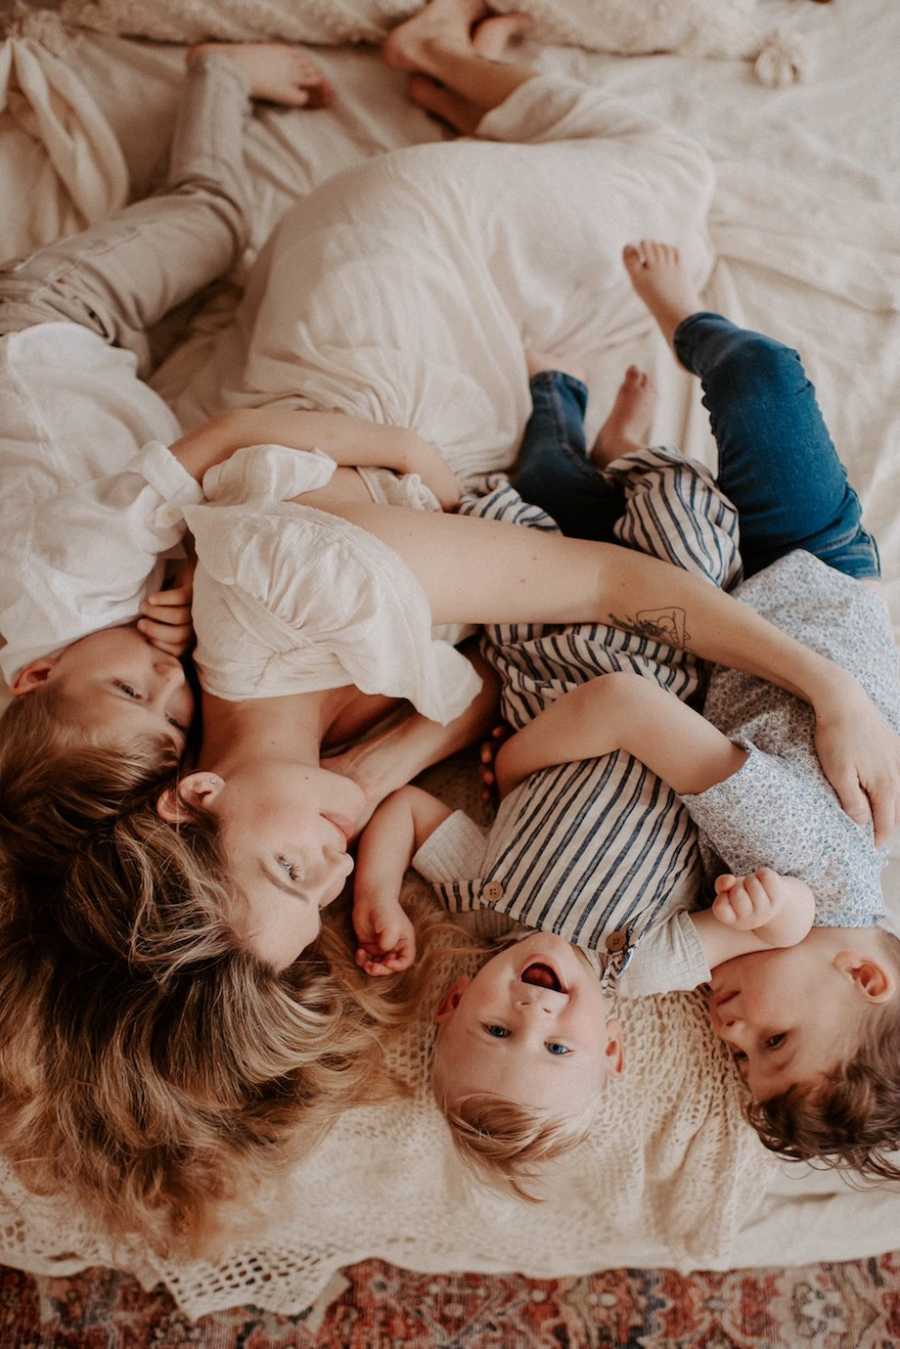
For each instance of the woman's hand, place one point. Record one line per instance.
(387, 939)
(435, 473)
(860, 756)
(166, 616)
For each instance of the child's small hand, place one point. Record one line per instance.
(166, 616)
(387, 939)
(435, 473)
(778, 909)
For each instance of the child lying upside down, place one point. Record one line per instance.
(597, 851)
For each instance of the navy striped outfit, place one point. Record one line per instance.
(597, 851)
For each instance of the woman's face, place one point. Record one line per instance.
(284, 829)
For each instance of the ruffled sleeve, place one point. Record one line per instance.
(267, 473)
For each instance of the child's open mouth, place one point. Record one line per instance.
(542, 975)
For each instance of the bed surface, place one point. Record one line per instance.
(806, 227)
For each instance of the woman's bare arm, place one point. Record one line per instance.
(347, 440)
(485, 571)
(406, 746)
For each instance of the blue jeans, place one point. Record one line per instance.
(777, 463)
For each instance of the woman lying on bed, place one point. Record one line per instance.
(193, 1042)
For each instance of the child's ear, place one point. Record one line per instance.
(33, 676)
(874, 980)
(195, 791)
(615, 1059)
(452, 998)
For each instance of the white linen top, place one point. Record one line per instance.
(81, 540)
(289, 599)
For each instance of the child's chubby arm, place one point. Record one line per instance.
(754, 913)
(347, 440)
(622, 711)
(399, 827)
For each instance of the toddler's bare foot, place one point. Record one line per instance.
(627, 427)
(447, 25)
(273, 71)
(451, 108)
(538, 363)
(492, 36)
(443, 24)
(660, 278)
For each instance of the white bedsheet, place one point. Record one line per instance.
(806, 224)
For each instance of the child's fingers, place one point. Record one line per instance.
(756, 894)
(724, 911)
(726, 882)
(383, 962)
(734, 907)
(167, 598)
(177, 614)
(173, 634)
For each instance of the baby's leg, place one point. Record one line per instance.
(122, 275)
(777, 462)
(553, 471)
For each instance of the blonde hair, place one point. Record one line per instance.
(57, 782)
(506, 1143)
(152, 1068)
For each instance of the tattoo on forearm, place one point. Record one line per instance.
(660, 625)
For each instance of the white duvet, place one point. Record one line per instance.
(401, 291)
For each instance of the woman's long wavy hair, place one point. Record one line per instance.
(151, 1067)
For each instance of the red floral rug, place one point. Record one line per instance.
(834, 1306)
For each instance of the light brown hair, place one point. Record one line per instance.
(151, 1067)
(506, 1143)
(851, 1118)
(57, 782)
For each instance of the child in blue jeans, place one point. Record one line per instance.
(601, 847)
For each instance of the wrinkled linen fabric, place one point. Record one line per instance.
(401, 291)
(76, 169)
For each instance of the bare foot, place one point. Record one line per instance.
(449, 25)
(442, 23)
(661, 280)
(538, 364)
(627, 427)
(451, 108)
(273, 71)
(492, 36)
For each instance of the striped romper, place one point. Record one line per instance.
(598, 851)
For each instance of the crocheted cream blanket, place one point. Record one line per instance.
(668, 1176)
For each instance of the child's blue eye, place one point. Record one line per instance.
(776, 1041)
(498, 1032)
(554, 1047)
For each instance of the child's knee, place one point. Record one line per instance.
(758, 365)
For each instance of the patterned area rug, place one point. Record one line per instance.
(376, 1306)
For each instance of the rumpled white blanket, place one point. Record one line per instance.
(61, 145)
